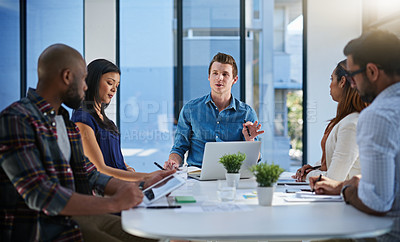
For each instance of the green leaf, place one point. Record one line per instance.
(232, 162)
(266, 174)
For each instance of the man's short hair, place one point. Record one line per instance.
(224, 59)
(376, 46)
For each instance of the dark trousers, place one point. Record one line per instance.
(105, 227)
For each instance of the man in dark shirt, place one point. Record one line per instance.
(44, 176)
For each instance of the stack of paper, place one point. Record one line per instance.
(193, 169)
(286, 178)
(312, 197)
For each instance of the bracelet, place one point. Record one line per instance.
(342, 192)
(141, 185)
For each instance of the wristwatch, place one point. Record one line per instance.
(141, 185)
(342, 192)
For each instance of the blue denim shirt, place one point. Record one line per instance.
(201, 122)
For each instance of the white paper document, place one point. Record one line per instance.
(312, 197)
(300, 187)
(193, 169)
(296, 188)
(212, 208)
(290, 182)
(286, 178)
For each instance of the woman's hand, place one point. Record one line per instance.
(128, 168)
(301, 173)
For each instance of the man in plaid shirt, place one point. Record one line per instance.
(46, 182)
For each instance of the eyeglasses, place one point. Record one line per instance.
(350, 74)
(353, 73)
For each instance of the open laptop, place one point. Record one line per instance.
(213, 170)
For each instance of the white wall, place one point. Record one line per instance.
(100, 36)
(330, 25)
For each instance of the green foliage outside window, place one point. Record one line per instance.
(295, 119)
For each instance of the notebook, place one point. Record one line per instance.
(213, 170)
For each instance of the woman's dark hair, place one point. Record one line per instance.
(95, 70)
(351, 101)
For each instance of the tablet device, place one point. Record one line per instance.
(162, 188)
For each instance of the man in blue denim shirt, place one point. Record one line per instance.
(215, 117)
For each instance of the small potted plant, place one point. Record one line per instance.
(266, 176)
(232, 164)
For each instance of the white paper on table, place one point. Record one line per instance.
(193, 169)
(311, 197)
(286, 175)
(299, 187)
(213, 207)
(286, 178)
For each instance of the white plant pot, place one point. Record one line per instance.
(265, 195)
(232, 179)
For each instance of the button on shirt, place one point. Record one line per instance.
(200, 121)
(378, 138)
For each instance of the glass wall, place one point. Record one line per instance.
(209, 27)
(146, 89)
(274, 70)
(10, 54)
(148, 59)
(148, 54)
(50, 22)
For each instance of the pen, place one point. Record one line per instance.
(319, 179)
(158, 165)
(161, 207)
(311, 168)
(248, 131)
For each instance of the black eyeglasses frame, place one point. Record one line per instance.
(353, 73)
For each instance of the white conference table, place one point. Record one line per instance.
(244, 219)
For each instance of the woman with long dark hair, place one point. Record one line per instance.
(100, 136)
(340, 160)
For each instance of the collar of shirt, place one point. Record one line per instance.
(45, 107)
(232, 104)
(389, 91)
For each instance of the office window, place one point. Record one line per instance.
(274, 56)
(146, 89)
(50, 22)
(280, 113)
(10, 55)
(256, 68)
(209, 26)
(273, 69)
(279, 29)
(256, 9)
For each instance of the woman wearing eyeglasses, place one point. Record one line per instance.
(340, 160)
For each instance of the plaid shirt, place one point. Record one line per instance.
(36, 181)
